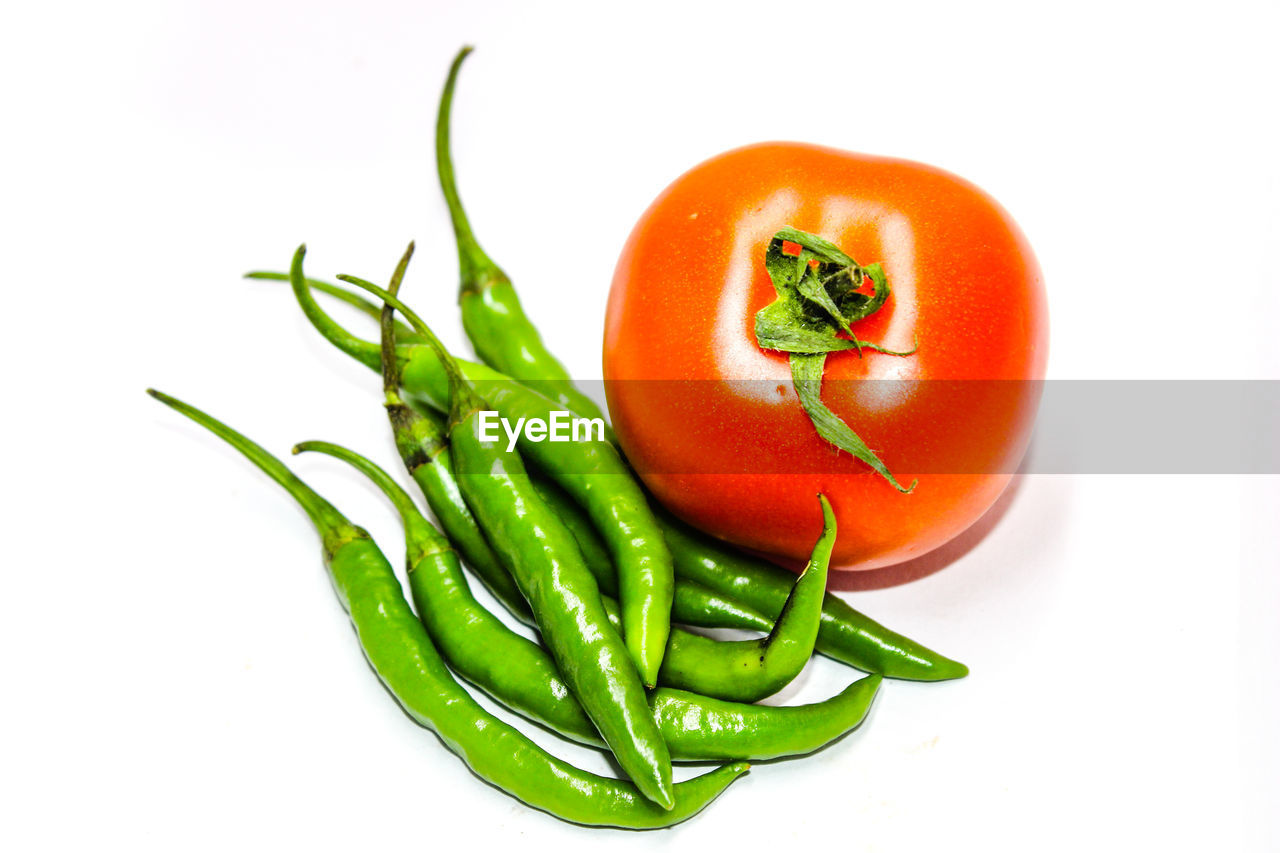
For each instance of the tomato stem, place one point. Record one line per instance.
(820, 296)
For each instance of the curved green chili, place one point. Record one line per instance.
(596, 477)
(741, 731)
(398, 648)
(475, 643)
(492, 315)
(545, 561)
(846, 634)
(750, 670)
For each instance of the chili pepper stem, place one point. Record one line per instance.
(364, 306)
(476, 269)
(361, 350)
(463, 399)
(334, 528)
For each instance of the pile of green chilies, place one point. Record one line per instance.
(565, 537)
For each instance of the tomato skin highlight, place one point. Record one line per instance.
(689, 281)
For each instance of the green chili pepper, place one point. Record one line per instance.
(401, 653)
(547, 566)
(749, 670)
(492, 315)
(522, 676)
(846, 634)
(693, 604)
(737, 730)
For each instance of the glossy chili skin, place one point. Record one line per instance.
(401, 653)
(712, 582)
(750, 670)
(845, 634)
(597, 478)
(439, 485)
(692, 604)
(420, 440)
(523, 677)
(548, 568)
(691, 661)
(742, 731)
(494, 319)
(475, 643)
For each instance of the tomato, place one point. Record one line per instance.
(740, 459)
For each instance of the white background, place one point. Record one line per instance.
(177, 671)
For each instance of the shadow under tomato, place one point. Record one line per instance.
(937, 559)
(922, 566)
(926, 564)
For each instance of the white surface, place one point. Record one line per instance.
(178, 672)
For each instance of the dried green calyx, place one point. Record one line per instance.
(822, 292)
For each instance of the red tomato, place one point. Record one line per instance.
(745, 464)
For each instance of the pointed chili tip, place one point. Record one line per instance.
(828, 514)
(945, 669)
(297, 448)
